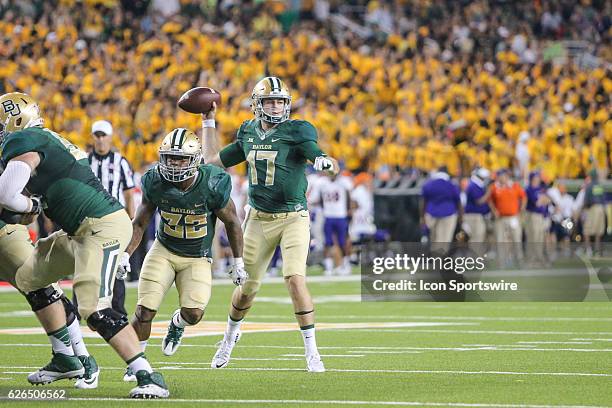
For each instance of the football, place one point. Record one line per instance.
(199, 100)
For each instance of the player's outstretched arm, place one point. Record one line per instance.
(141, 222)
(229, 217)
(210, 144)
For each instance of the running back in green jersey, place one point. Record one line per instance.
(63, 178)
(187, 218)
(276, 163)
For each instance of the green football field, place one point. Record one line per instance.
(404, 354)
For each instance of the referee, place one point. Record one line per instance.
(117, 177)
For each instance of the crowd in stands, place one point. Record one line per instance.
(391, 86)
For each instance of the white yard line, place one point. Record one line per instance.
(207, 363)
(18, 313)
(335, 402)
(495, 345)
(592, 339)
(332, 370)
(555, 342)
(477, 348)
(327, 355)
(421, 317)
(409, 330)
(385, 352)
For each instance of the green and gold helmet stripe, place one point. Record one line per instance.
(276, 84)
(181, 138)
(178, 136)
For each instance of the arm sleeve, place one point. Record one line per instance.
(12, 182)
(145, 184)
(220, 185)
(232, 154)
(306, 136)
(127, 175)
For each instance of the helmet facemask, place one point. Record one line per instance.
(179, 155)
(270, 88)
(260, 114)
(174, 173)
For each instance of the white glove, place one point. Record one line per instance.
(323, 163)
(237, 273)
(124, 266)
(38, 205)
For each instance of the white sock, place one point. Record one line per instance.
(178, 320)
(328, 263)
(347, 262)
(60, 341)
(76, 338)
(140, 363)
(143, 345)
(310, 342)
(232, 328)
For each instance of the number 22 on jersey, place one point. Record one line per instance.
(184, 226)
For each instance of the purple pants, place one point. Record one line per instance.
(337, 227)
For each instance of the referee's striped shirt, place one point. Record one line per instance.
(114, 172)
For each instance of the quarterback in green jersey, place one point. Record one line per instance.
(95, 230)
(277, 151)
(190, 197)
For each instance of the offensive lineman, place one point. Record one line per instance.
(95, 230)
(15, 249)
(276, 150)
(190, 197)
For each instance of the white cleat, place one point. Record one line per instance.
(88, 383)
(61, 367)
(91, 375)
(222, 356)
(172, 341)
(150, 385)
(314, 363)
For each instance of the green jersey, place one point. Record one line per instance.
(187, 218)
(63, 178)
(276, 163)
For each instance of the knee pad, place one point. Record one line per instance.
(71, 311)
(41, 298)
(250, 287)
(107, 322)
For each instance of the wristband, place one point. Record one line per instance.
(208, 123)
(239, 262)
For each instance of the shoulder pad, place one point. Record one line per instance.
(19, 142)
(303, 131)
